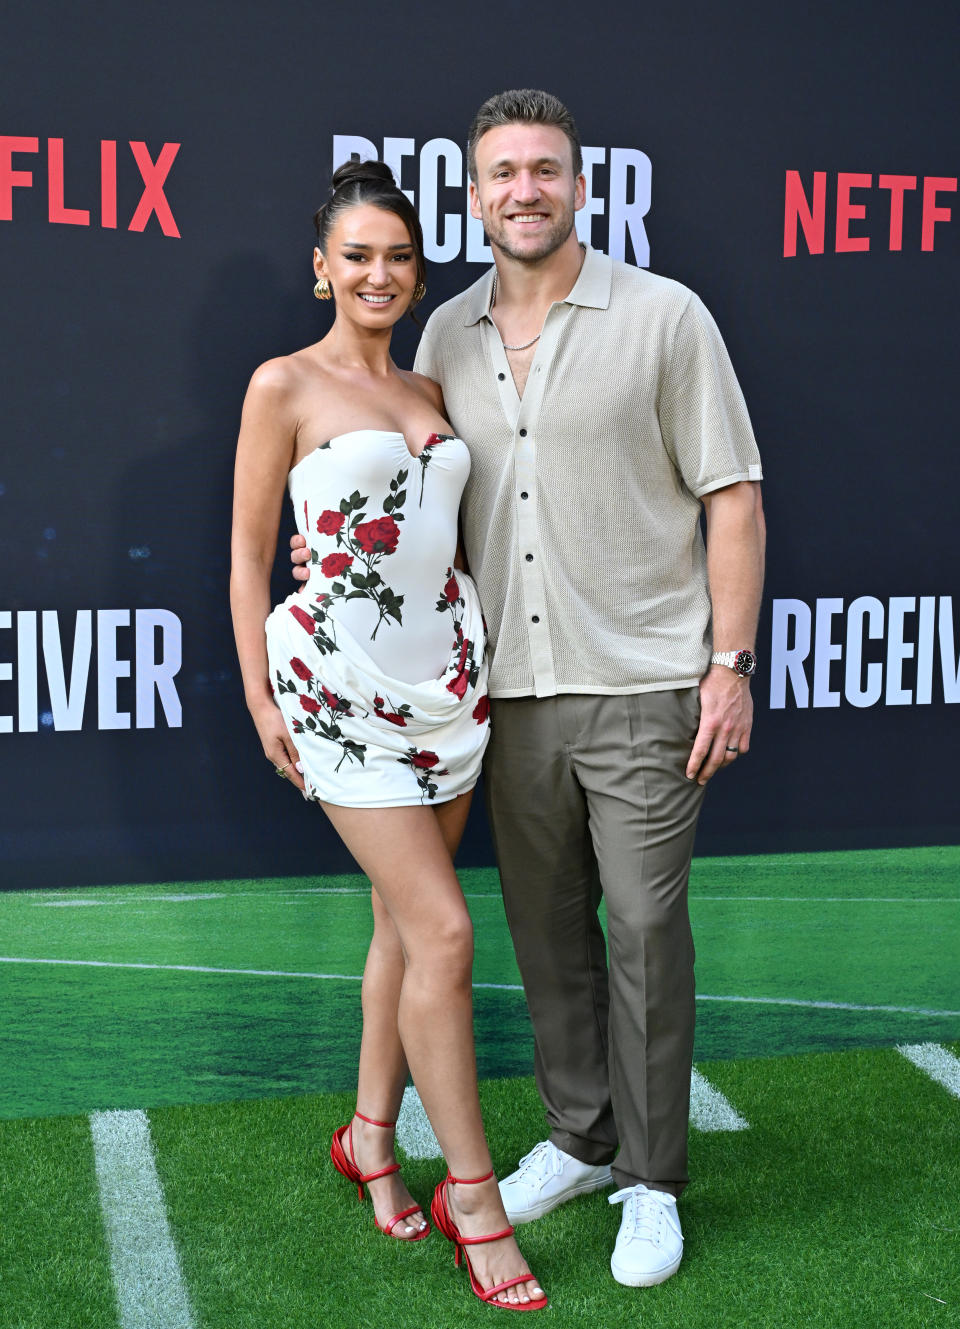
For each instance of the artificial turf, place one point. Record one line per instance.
(837, 1207)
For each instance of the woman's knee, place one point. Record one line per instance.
(446, 947)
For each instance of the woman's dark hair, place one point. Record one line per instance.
(370, 182)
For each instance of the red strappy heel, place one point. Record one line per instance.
(444, 1222)
(345, 1165)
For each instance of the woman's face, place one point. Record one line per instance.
(370, 264)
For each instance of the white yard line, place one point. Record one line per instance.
(826, 899)
(414, 1133)
(495, 987)
(180, 968)
(66, 900)
(146, 1269)
(831, 1005)
(709, 1110)
(937, 1062)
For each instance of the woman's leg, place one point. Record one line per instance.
(404, 852)
(382, 1072)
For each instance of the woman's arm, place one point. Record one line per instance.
(264, 453)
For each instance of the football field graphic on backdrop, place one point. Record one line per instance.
(143, 995)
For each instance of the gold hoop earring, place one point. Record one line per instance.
(322, 289)
(419, 291)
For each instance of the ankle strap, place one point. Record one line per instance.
(370, 1121)
(468, 1181)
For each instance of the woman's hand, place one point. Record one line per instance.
(277, 744)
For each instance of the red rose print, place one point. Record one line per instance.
(434, 441)
(398, 720)
(463, 653)
(333, 701)
(328, 523)
(335, 564)
(379, 536)
(458, 685)
(452, 590)
(424, 760)
(482, 709)
(310, 704)
(378, 701)
(304, 619)
(300, 669)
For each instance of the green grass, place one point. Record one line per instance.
(54, 1267)
(871, 928)
(837, 1207)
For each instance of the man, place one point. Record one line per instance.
(601, 412)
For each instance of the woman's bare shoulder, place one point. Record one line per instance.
(285, 374)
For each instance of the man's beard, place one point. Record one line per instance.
(550, 242)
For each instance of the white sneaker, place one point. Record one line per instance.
(547, 1177)
(649, 1244)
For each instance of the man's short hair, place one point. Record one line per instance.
(522, 106)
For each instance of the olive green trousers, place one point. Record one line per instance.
(587, 799)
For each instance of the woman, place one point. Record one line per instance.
(369, 695)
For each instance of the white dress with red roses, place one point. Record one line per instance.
(377, 665)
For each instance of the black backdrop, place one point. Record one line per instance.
(126, 353)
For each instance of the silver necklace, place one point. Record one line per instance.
(526, 344)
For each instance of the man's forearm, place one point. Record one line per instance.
(736, 539)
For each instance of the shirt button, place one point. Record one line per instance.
(523, 433)
(524, 494)
(501, 377)
(535, 619)
(529, 558)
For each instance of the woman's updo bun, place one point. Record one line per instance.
(370, 182)
(352, 171)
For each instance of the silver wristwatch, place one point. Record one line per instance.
(743, 663)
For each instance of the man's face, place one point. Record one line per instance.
(526, 193)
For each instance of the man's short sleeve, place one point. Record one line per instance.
(703, 416)
(425, 361)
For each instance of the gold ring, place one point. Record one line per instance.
(280, 771)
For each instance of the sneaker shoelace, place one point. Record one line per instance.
(542, 1161)
(644, 1214)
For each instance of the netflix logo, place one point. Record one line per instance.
(21, 168)
(834, 210)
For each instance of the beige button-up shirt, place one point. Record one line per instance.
(581, 517)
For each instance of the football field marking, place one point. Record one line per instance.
(710, 1110)
(799, 1002)
(936, 1061)
(414, 1133)
(65, 901)
(146, 1268)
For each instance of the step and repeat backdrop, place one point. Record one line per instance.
(159, 167)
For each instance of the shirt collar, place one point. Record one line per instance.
(591, 289)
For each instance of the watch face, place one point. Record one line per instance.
(745, 663)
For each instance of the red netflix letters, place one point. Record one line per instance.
(852, 194)
(153, 176)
